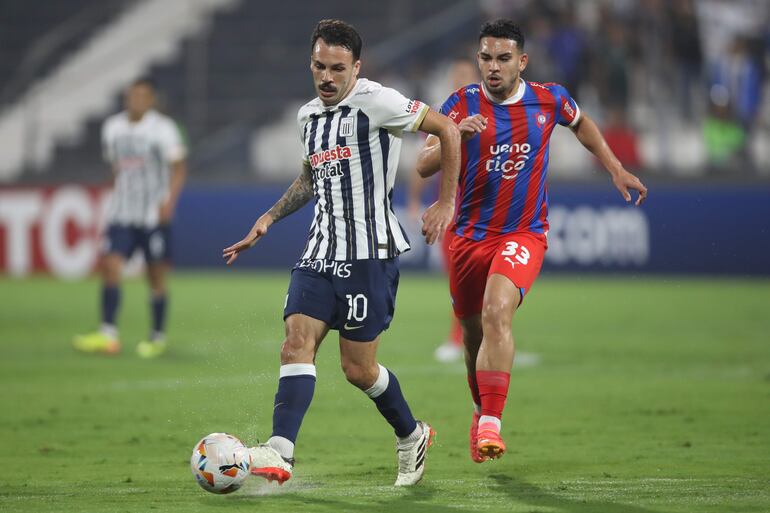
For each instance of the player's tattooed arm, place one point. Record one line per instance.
(295, 197)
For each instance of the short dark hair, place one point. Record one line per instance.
(338, 33)
(144, 81)
(504, 29)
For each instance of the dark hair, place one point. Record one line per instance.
(144, 81)
(338, 33)
(504, 29)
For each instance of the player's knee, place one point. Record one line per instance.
(297, 348)
(111, 270)
(360, 376)
(472, 333)
(157, 285)
(496, 316)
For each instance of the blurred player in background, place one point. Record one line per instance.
(461, 72)
(147, 155)
(499, 233)
(346, 278)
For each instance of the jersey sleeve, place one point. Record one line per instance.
(450, 107)
(108, 149)
(567, 110)
(394, 111)
(301, 124)
(172, 146)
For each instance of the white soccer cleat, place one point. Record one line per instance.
(411, 460)
(268, 463)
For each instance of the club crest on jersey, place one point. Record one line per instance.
(540, 120)
(347, 126)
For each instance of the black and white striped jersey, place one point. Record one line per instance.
(353, 149)
(140, 153)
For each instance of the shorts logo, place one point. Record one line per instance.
(338, 269)
(347, 126)
(413, 106)
(519, 253)
(157, 245)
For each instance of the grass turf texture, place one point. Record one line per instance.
(652, 395)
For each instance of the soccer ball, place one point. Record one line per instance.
(220, 463)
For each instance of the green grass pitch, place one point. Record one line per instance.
(650, 395)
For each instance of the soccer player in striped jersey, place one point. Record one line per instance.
(500, 230)
(147, 155)
(347, 275)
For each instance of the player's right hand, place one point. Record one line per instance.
(436, 219)
(257, 232)
(471, 126)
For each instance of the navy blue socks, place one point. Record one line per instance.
(110, 303)
(386, 394)
(158, 308)
(295, 392)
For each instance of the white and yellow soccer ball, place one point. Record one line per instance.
(220, 463)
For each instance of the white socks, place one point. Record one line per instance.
(409, 440)
(489, 419)
(380, 384)
(284, 446)
(109, 330)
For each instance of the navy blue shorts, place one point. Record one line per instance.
(356, 297)
(155, 243)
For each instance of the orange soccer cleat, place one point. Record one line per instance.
(488, 442)
(474, 445)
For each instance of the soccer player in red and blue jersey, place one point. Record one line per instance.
(500, 231)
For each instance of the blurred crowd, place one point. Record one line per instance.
(629, 59)
(679, 86)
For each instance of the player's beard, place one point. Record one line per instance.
(503, 87)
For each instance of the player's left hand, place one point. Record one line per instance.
(471, 126)
(436, 219)
(625, 181)
(257, 232)
(166, 212)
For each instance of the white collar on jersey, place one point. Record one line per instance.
(511, 99)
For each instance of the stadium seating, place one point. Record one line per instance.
(239, 74)
(36, 36)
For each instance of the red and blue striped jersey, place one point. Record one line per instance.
(503, 171)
